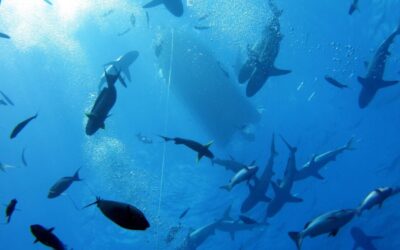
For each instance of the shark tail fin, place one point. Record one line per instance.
(291, 148)
(153, 3)
(296, 237)
(76, 175)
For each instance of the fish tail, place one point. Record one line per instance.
(297, 238)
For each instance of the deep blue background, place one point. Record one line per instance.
(52, 65)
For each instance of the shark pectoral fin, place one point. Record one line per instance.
(90, 115)
(295, 199)
(36, 241)
(318, 176)
(50, 229)
(334, 232)
(208, 144)
(232, 234)
(122, 81)
(199, 156)
(362, 81)
(278, 72)
(127, 73)
(153, 3)
(384, 84)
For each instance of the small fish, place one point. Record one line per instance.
(124, 32)
(202, 27)
(21, 126)
(203, 17)
(147, 19)
(183, 214)
(7, 99)
(46, 237)
(62, 185)
(48, 2)
(2, 35)
(353, 7)
(247, 220)
(335, 83)
(133, 20)
(23, 159)
(122, 214)
(10, 209)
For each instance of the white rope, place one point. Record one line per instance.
(166, 120)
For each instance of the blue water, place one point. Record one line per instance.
(53, 63)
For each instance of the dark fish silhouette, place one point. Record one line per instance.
(184, 213)
(175, 7)
(335, 83)
(122, 214)
(62, 185)
(2, 35)
(10, 209)
(7, 99)
(353, 7)
(23, 159)
(247, 220)
(147, 19)
(202, 150)
(363, 241)
(374, 81)
(202, 27)
(46, 237)
(21, 126)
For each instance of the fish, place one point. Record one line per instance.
(328, 223)
(144, 139)
(230, 164)
(21, 126)
(202, 150)
(10, 209)
(122, 214)
(3, 167)
(247, 220)
(120, 66)
(46, 237)
(260, 65)
(48, 2)
(373, 81)
(203, 17)
(283, 189)
(2, 35)
(353, 7)
(363, 241)
(147, 19)
(184, 213)
(312, 168)
(9, 101)
(175, 7)
(257, 193)
(201, 27)
(376, 198)
(102, 106)
(62, 185)
(23, 159)
(335, 83)
(245, 174)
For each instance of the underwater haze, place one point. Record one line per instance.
(200, 124)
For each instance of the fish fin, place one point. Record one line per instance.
(103, 126)
(334, 232)
(93, 203)
(153, 4)
(384, 84)
(166, 138)
(208, 144)
(278, 72)
(350, 143)
(76, 175)
(363, 81)
(294, 199)
(90, 115)
(199, 157)
(297, 238)
(227, 212)
(291, 148)
(36, 241)
(265, 198)
(226, 187)
(232, 234)
(318, 176)
(51, 229)
(127, 73)
(276, 188)
(122, 81)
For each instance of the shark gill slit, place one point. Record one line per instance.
(166, 120)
